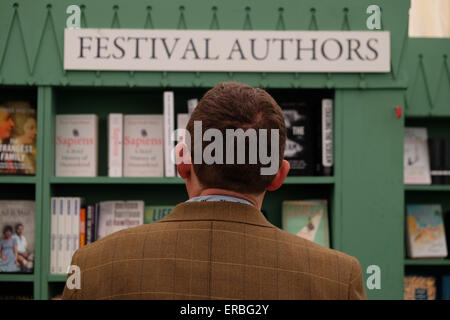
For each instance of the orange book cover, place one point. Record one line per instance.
(82, 227)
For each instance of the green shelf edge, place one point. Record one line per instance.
(162, 180)
(18, 179)
(427, 262)
(16, 277)
(427, 188)
(57, 278)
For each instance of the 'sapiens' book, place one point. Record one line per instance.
(17, 219)
(156, 213)
(114, 216)
(419, 288)
(299, 150)
(324, 126)
(76, 145)
(307, 219)
(191, 104)
(143, 146)
(416, 157)
(169, 128)
(18, 130)
(115, 144)
(425, 231)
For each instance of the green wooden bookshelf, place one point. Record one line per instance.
(427, 262)
(365, 195)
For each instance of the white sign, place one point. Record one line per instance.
(227, 50)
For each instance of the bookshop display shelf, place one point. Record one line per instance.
(443, 188)
(365, 193)
(427, 262)
(16, 277)
(18, 179)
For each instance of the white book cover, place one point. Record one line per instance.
(75, 227)
(115, 144)
(105, 218)
(191, 103)
(182, 121)
(60, 236)
(67, 242)
(169, 127)
(127, 214)
(76, 145)
(416, 157)
(54, 235)
(143, 146)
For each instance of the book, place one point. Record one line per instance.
(143, 146)
(76, 145)
(90, 209)
(54, 234)
(191, 104)
(436, 149)
(169, 128)
(115, 145)
(325, 141)
(18, 131)
(446, 160)
(60, 236)
(419, 288)
(82, 227)
(416, 157)
(17, 221)
(425, 231)
(114, 216)
(299, 150)
(445, 287)
(307, 219)
(156, 213)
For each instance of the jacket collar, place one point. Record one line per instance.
(218, 211)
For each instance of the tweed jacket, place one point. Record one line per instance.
(213, 250)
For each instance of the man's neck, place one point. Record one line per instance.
(256, 200)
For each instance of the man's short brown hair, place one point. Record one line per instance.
(232, 105)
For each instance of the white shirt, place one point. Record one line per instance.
(21, 243)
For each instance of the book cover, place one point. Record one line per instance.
(118, 215)
(18, 131)
(143, 146)
(299, 150)
(436, 149)
(76, 145)
(425, 231)
(82, 227)
(416, 157)
(445, 287)
(17, 219)
(156, 213)
(54, 235)
(115, 145)
(325, 140)
(307, 219)
(419, 288)
(191, 104)
(89, 224)
(169, 128)
(60, 236)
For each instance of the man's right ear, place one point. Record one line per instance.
(280, 176)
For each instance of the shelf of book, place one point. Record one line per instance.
(4, 277)
(427, 262)
(439, 188)
(18, 179)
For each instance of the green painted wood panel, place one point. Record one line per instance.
(372, 185)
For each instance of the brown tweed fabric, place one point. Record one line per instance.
(213, 250)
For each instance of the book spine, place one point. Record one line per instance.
(95, 224)
(61, 227)
(436, 160)
(82, 227)
(115, 145)
(89, 223)
(169, 164)
(54, 233)
(327, 137)
(191, 104)
(75, 227)
(68, 213)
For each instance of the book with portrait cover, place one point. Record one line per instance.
(156, 213)
(143, 146)
(17, 226)
(76, 145)
(417, 287)
(416, 157)
(425, 231)
(18, 130)
(307, 219)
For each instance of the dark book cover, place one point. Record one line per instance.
(18, 130)
(299, 150)
(446, 156)
(89, 223)
(324, 142)
(436, 148)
